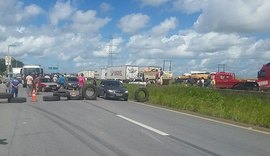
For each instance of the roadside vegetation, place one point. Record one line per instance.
(249, 108)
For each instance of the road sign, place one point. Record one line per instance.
(53, 68)
(8, 60)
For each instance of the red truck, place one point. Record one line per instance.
(264, 77)
(227, 80)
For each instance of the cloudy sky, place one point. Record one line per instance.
(193, 34)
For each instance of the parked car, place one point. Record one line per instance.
(47, 85)
(71, 83)
(112, 89)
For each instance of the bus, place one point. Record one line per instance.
(31, 69)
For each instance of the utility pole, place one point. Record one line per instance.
(110, 58)
(8, 60)
(221, 66)
(164, 64)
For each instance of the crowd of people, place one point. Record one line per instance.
(201, 82)
(12, 85)
(33, 82)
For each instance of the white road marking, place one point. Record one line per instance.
(144, 126)
(212, 120)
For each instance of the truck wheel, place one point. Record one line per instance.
(51, 98)
(89, 92)
(141, 95)
(17, 100)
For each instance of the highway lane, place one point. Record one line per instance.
(110, 127)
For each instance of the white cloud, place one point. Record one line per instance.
(106, 47)
(32, 10)
(133, 22)
(73, 38)
(3, 29)
(87, 21)
(164, 27)
(189, 6)
(105, 7)
(15, 12)
(61, 11)
(154, 3)
(234, 16)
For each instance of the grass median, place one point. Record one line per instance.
(240, 107)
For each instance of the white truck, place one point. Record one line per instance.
(30, 69)
(87, 73)
(125, 73)
(100, 73)
(16, 72)
(149, 73)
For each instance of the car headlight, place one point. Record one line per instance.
(126, 91)
(111, 91)
(69, 84)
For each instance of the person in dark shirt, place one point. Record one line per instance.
(62, 81)
(15, 87)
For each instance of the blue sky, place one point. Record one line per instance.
(193, 34)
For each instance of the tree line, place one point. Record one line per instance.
(14, 63)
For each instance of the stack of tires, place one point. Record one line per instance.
(57, 96)
(11, 99)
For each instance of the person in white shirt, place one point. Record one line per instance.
(29, 85)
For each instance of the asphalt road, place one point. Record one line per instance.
(110, 127)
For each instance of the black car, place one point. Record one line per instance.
(71, 83)
(252, 86)
(112, 89)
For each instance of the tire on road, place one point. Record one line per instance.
(6, 95)
(51, 98)
(61, 93)
(89, 92)
(17, 100)
(76, 97)
(139, 97)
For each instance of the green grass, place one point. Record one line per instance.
(241, 107)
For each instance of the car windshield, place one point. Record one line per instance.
(72, 79)
(112, 83)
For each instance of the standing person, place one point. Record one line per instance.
(190, 80)
(29, 84)
(37, 82)
(94, 81)
(81, 80)
(213, 82)
(7, 82)
(54, 78)
(62, 81)
(158, 77)
(203, 82)
(15, 87)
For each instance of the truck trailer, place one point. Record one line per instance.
(125, 73)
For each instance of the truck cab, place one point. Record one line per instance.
(225, 80)
(264, 77)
